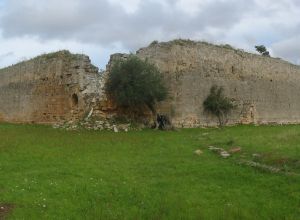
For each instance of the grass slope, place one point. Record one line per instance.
(54, 174)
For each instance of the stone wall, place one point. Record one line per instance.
(51, 88)
(264, 90)
(61, 87)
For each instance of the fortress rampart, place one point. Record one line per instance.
(62, 87)
(48, 89)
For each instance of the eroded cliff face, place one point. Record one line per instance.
(264, 90)
(51, 88)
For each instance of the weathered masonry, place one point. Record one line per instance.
(62, 86)
(48, 89)
(265, 90)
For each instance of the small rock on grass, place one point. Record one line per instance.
(212, 148)
(224, 154)
(198, 152)
(116, 130)
(235, 150)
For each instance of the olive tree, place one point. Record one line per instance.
(217, 104)
(262, 50)
(135, 83)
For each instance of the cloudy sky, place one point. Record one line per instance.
(101, 27)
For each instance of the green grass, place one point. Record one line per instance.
(55, 174)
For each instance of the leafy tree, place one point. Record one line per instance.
(262, 50)
(134, 83)
(217, 104)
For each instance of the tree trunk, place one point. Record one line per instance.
(222, 119)
(154, 113)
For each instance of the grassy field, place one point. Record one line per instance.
(55, 174)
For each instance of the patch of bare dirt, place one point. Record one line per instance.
(5, 210)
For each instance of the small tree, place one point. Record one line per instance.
(262, 50)
(217, 104)
(134, 83)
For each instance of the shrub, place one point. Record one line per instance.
(228, 46)
(153, 43)
(134, 83)
(262, 50)
(217, 104)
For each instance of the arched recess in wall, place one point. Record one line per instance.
(75, 99)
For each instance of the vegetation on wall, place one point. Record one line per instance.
(217, 104)
(134, 84)
(262, 50)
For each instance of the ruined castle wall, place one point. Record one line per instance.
(62, 87)
(48, 89)
(264, 90)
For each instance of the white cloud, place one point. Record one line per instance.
(288, 49)
(97, 27)
(18, 49)
(130, 6)
(106, 23)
